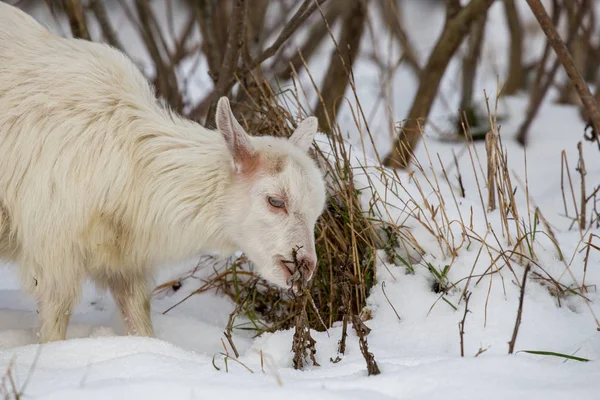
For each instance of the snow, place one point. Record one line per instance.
(419, 355)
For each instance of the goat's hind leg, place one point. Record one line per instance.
(56, 290)
(56, 299)
(55, 308)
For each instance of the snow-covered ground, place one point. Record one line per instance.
(419, 355)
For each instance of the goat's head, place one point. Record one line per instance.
(277, 195)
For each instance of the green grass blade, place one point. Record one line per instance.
(551, 353)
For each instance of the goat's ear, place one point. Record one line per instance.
(305, 133)
(238, 141)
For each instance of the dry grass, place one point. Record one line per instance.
(303, 344)
(9, 389)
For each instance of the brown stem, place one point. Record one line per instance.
(452, 8)
(338, 74)
(516, 77)
(556, 13)
(491, 148)
(461, 325)
(230, 58)
(456, 28)
(469, 70)
(583, 112)
(567, 61)
(76, 19)
(255, 26)
(295, 22)
(180, 50)
(390, 10)
(582, 172)
(229, 329)
(539, 89)
(256, 12)
(513, 340)
(579, 50)
(108, 32)
(165, 80)
(362, 331)
(288, 30)
(316, 35)
(591, 69)
(205, 11)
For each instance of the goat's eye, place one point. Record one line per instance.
(277, 203)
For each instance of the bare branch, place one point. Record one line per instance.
(579, 49)
(448, 42)
(180, 50)
(515, 66)
(292, 26)
(453, 7)
(338, 74)
(391, 15)
(295, 22)
(255, 27)
(316, 35)
(471, 60)
(165, 80)
(76, 19)
(231, 56)
(566, 60)
(108, 32)
(205, 12)
(539, 88)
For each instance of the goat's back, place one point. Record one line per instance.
(68, 113)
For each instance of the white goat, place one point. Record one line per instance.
(98, 180)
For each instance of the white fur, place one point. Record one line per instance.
(98, 180)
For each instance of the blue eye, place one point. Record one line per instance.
(277, 203)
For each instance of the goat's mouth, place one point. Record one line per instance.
(287, 267)
(295, 273)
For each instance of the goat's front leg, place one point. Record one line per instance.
(132, 296)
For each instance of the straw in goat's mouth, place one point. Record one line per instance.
(303, 344)
(298, 278)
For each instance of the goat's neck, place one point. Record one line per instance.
(187, 183)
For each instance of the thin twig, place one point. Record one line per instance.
(461, 325)
(513, 340)
(582, 172)
(229, 328)
(112, 38)
(388, 300)
(292, 26)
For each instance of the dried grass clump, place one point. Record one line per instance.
(346, 241)
(345, 238)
